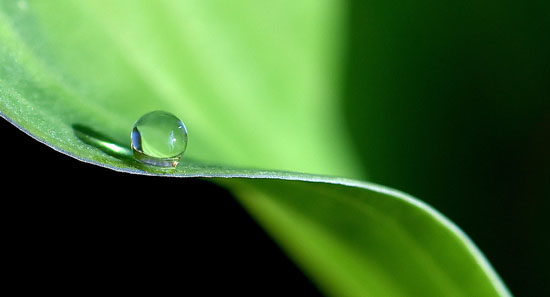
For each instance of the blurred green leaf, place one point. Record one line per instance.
(361, 239)
(257, 86)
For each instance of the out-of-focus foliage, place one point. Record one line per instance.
(450, 100)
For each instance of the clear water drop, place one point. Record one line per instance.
(159, 138)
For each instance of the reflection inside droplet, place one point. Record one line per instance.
(159, 138)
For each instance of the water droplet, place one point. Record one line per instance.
(159, 138)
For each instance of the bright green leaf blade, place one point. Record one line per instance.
(252, 91)
(76, 75)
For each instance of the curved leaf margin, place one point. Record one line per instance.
(237, 179)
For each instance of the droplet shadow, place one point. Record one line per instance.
(103, 142)
(113, 148)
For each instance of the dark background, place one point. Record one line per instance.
(72, 227)
(450, 101)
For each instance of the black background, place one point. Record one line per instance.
(68, 224)
(449, 101)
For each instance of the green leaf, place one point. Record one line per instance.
(361, 239)
(257, 85)
(248, 98)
